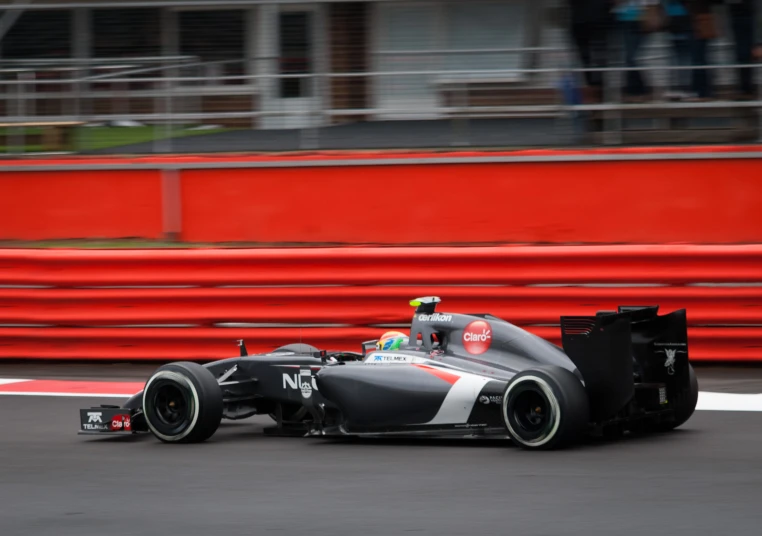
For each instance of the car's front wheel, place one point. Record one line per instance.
(545, 408)
(182, 403)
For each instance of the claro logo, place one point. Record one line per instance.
(477, 337)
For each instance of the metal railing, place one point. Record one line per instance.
(171, 92)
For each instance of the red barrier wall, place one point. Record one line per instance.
(608, 197)
(219, 296)
(366, 266)
(42, 205)
(594, 202)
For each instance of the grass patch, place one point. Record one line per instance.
(95, 138)
(99, 138)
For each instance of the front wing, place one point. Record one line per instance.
(108, 420)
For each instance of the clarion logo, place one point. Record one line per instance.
(435, 317)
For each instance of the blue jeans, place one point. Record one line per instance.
(742, 23)
(681, 45)
(633, 38)
(700, 77)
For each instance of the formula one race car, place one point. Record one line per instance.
(467, 375)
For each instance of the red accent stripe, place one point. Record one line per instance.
(72, 387)
(441, 374)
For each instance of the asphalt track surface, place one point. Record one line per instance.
(519, 132)
(705, 478)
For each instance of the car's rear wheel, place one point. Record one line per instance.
(182, 403)
(545, 408)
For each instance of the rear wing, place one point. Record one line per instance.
(614, 350)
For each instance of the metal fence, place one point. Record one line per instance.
(221, 81)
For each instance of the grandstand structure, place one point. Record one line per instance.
(309, 67)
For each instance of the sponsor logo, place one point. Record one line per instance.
(93, 416)
(391, 358)
(388, 359)
(305, 376)
(121, 422)
(303, 381)
(491, 399)
(662, 395)
(477, 337)
(671, 353)
(434, 317)
(92, 427)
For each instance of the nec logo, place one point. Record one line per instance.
(94, 416)
(303, 381)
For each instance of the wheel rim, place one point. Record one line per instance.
(171, 404)
(531, 411)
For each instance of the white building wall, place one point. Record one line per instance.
(433, 43)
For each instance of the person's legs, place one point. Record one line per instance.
(700, 77)
(599, 50)
(581, 36)
(742, 24)
(633, 37)
(681, 58)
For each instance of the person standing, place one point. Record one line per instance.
(636, 19)
(742, 15)
(590, 25)
(704, 30)
(680, 32)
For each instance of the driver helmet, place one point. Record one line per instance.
(392, 340)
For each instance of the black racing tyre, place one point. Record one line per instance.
(684, 404)
(545, 408)
(297, 348)
(182, 403)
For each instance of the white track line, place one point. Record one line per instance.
(6, 381)
(729, 402)
(72, 395)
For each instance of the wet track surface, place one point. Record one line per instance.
(705, 478)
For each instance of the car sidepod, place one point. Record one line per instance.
(410, 397)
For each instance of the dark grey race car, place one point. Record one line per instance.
(462, 375)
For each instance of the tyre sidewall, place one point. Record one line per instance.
(567, 400)
(203, 394)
